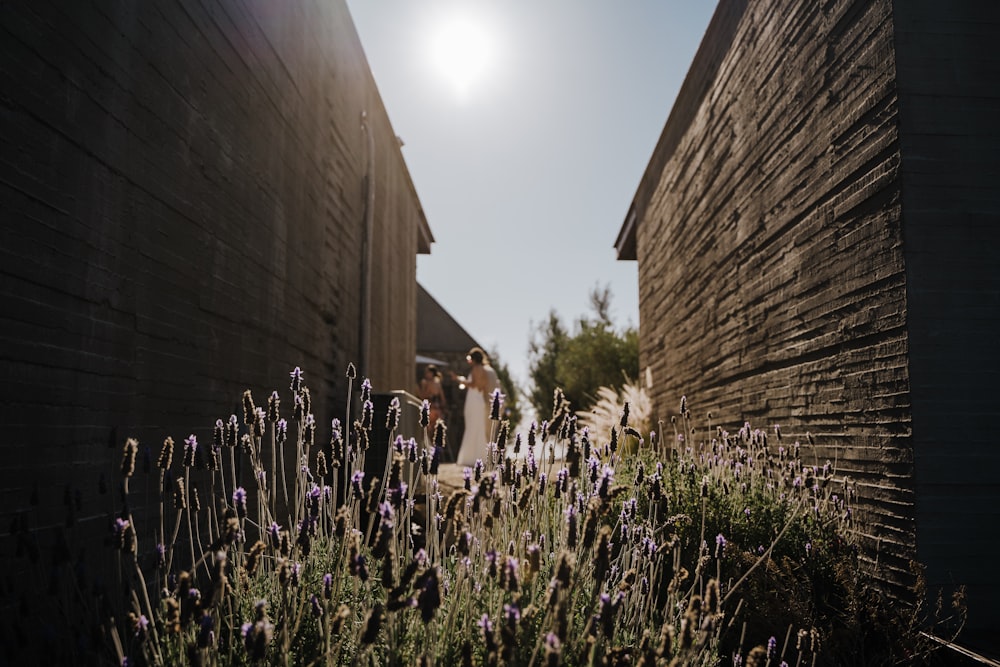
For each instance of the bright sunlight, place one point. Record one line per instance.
(462, 52)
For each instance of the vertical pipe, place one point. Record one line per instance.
(366, 250)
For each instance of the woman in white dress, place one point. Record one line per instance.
(479, 388)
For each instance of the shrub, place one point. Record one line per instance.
(677, 553)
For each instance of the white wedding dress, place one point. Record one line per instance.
(474, 439)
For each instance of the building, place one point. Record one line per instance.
(816, 235)
(197, 197)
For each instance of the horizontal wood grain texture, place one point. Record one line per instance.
(185, 188)
(817, 238)
(772, 281)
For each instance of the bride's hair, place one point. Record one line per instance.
(477, 355)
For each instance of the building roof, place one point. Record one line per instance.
(437, 330)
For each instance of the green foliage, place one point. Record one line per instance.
(546, 346)
(595, 355)
(683, 551)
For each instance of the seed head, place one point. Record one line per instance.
(273, 402)
(128, 457)
(190, 451)
(429, 598)
(367, 414)
(373, 625)
(232, 431)
(248, 408)
(296, 376)
(166, 454)
(240, 501)
(253, 557)
(392, 415)
(180, 495)
(496, 402)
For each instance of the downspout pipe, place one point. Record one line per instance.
(366, 250)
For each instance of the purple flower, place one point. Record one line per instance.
(190, 450)
(512, 614)
(296, 376)
(772, 646)
(649, 544)
(356, 480)
(496, 401)
(398, 495)
(206, 636)
(720, 544)
(240, 501)
(327, 586)
(607, 479)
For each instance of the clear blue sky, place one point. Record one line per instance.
(526, 143)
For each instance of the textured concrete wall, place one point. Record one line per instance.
(771, 272)
(816, 236)
(184, 191)
(949, 99)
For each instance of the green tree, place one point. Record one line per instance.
(547, 344)
(512, 393)
(595, 355)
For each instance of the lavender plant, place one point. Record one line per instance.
(598, 557)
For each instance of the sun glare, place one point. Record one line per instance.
(461, 53)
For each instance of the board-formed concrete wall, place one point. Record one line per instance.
(948, 84)
(185, 190)
(804, 226)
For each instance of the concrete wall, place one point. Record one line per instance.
(815, 236)
(771, 271)
(949, 99)
(185, 187)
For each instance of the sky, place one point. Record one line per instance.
(526, 127)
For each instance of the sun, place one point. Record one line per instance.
(461, 50)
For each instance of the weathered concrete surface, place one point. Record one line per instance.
(814, 251)
(185, 189)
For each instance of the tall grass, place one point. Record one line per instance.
(684, 549)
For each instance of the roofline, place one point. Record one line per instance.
(424, 235)
(698, 81)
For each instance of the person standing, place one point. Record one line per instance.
(432, 392)
(479, 384)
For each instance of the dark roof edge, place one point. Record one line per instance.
(424, 235)
(700, 76)
(429, 310)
